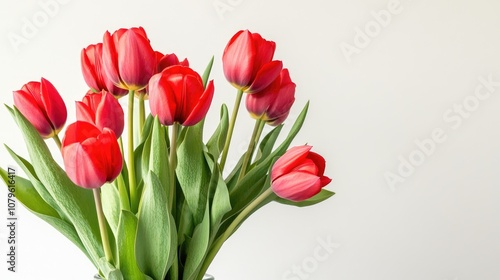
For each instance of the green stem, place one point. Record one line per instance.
(257, 131)
(102, 226)
(225, 151)
(173, 165)
(134, 201)
(57, 140)
(142, 114)
(232, 227)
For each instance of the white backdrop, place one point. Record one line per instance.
(404, 106)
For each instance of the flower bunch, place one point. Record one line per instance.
(160, 207)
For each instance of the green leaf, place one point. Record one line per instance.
(158, 159)
(216, 143)
(321, 196)
(207, 71)
(111, 206)
(192, 171)
(76, 203)
(156, 241)
(197, 248)
(110, 272)
(220, 202)
(40, 188)
(125, 242)
(29, 197)
(146, 130)
(267, 144)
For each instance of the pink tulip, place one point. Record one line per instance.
(177, 95)
(91, 60)
(273, 103)
(247, 62)
(42, 105)
(128, 59)
(101, 109)
(299, 174)
(91, 157)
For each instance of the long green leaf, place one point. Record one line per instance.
(111, 207)
(156, 241)
(321, 196)
(29, 197)
(110, 271)
(197, 248)
(158, 159)
(76, 203)
(207, 71)
(193, 172)
(125, 242)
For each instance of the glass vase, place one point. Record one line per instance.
(206, 277)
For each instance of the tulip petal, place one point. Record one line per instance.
(109, 113)
(110, 60)
(265, 76)
(297, 186)
(136, 60)
(27, 105)
(237, 59)
(161, 100)
(84, 112)
(54, 105)
(289, 160)
(265, 50)
(111, 154)
(82, 164)
(319, 161)
(201, 108)
(79, 131)
(307, 166)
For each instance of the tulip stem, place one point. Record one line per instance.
(102, 226)
(173, 165)
(57, 140)
(232, 227)
(257, 131)
(142, 114)
(230, 130)
(131, 161)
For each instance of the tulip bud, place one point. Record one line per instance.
(273, 103)
(247, 62)
(91, 157)
(177, 95)
(101, 109)
(91, 60)
(128, 59)
(42, 105)
(298, 174)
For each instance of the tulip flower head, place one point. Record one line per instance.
(299, 174)
(91, 60)
(273, 103)
(91, 157)
(101, 109)
(42, 105)
(177, 95)
(247, 62)
(128, 59)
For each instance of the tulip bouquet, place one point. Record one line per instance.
(155, 203)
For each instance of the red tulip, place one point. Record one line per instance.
(298, 174)
(177, 95)
(101, 109)
(247, 62)
(91, 157)
(273, 103)
(91, 60)
(42, 105)
(163, 61)
(128, 59)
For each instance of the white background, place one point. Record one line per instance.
(367, 110)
